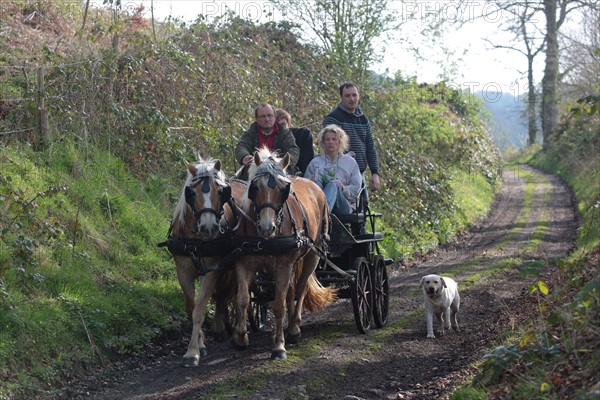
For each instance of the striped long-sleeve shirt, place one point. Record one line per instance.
(357, 127)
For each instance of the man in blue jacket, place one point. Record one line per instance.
(351, 119)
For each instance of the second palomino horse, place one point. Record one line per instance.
(288, 218)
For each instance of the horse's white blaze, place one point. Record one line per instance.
(208, 223)
(268, 217)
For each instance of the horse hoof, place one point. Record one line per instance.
(279, 355)
(293, 339)
(220, 336)
(238, 346)
(191, 362)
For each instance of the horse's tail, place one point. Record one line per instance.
(318, 296)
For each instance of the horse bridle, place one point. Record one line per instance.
(272, 183)
(203, 179)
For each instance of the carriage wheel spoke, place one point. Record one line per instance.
(362, 295)
(381, 292)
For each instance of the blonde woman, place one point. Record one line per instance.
(335, 172)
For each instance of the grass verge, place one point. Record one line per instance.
(81, 278)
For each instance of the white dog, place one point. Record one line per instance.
(441, 297)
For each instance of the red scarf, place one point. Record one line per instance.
(264, 140)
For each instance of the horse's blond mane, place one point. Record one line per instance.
(263, 153)
(182, 208)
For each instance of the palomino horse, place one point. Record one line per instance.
(203, 223)
(289, 220)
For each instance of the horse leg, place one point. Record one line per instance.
(187, 275)
(196, 347)
(221, 312)
(306, 264)
(292, 304)
(282, 285)
(244, 275)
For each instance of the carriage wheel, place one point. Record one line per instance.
(362, 295)
(381, 290)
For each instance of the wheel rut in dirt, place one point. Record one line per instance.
(532, 218)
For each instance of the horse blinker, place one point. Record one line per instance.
(252, 192)
(189, 196)
(226, 194)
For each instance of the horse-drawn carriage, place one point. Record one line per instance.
(271, 242)
(352, 265)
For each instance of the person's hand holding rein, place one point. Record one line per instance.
(247, 160)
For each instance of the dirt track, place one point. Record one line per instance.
(334, 361)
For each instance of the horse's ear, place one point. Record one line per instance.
(192, 168)
(226, 194)
(286, 160)
(257, 160)
(252, 192)
(189, 195)
(217, 165)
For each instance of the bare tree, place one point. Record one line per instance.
(346, 29)
(553, 9)
(524, 26)
(555, 13)
(581, 60)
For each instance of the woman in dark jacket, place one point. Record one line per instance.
(303, 137)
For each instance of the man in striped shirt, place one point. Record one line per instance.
(351, 119)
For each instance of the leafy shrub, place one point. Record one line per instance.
(424, 141)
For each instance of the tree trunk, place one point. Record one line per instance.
(85, 14)
(531, 103)
(550, 80)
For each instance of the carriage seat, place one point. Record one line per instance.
(358, 216)
(358, 226)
